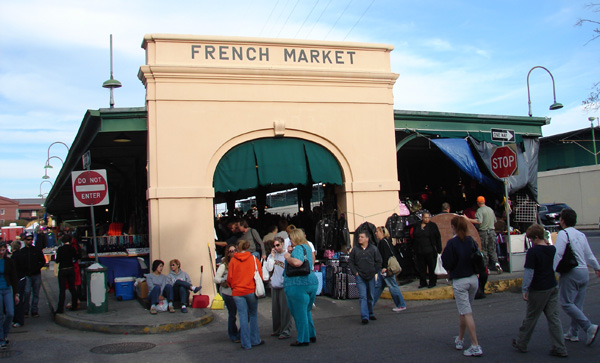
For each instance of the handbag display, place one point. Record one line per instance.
(568, 261)
(477, 260)
(393, 267)
(302, 270)
(259, 290)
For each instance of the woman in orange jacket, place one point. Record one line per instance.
(241, 280)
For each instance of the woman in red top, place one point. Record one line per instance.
(240, 278)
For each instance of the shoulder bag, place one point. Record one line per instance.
(259, 290)
(302, 270)
(568, 260)
(477, 260)
(393, 267)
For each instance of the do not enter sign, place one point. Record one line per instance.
(90, 188)
(504, 161)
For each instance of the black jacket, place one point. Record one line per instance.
(29, 261)
(427, 240)
(387, 250)
(366, 262)
(10, 275)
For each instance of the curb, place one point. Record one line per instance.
(71, 322)
(116, 328)
(446, 292)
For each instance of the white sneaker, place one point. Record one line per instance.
(591, 334)
(498, 268)
(571, 338)
(459, 343)
(397, 310)
(473, 351)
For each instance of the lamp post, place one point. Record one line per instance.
(48, 166)
(591, 119)
(555, 105)
(41, 195)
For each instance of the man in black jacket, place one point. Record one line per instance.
(365, 263)
(30, 261)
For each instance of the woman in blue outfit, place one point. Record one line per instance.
(301, 291)
(386, 250)
(8, 295)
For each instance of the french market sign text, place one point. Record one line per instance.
(261, 54)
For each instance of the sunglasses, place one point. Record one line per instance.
(231, 251)
(173, 264)
(277, 245)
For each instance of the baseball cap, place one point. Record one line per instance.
(480, 199)
(28, 235)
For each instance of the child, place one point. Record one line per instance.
(541, 293)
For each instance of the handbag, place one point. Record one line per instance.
(302, 270)
(568, 261)
(477, 260)
(439, 269)
(393, 267)
(259, 290)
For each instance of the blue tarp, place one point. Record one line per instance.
(459, 152)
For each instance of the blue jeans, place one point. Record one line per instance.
(181, 290)
(155, 293)
(32, 288)
(7, 311)
(247, 307)
(366, 290)
(300, 299)
(232, 329)
(392, 284)
(572, 288)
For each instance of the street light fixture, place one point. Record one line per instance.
(41, 195)
(555, 105)
(591, 119)
(48, 166)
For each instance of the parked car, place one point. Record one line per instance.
(550, 213)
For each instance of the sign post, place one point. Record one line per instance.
(504, 164)
(90, 188)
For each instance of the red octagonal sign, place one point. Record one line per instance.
(89, 188)
(504, 161)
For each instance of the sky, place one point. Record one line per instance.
(451, 56)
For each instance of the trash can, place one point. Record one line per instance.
(96, 289)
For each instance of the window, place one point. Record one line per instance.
(2, 211)
(34, 213)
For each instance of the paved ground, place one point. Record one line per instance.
(130, 317)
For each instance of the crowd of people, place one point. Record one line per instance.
(285, 258)
(292, 297)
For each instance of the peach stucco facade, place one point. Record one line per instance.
(205, 95)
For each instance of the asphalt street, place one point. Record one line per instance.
(422, 333)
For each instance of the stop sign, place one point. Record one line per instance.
(89, 188)
(504, 161)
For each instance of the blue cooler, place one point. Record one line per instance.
(124, 287)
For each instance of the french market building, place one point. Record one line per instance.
(223, 113)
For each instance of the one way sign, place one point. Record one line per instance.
(503, 135)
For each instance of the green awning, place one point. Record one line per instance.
(275, 161)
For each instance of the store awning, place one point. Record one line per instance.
(275, 161)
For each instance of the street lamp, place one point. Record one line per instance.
(591, 119)
(555, 105)
(48, 166)
(41, 195)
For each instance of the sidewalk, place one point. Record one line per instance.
(123, 317)
(129, 317)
